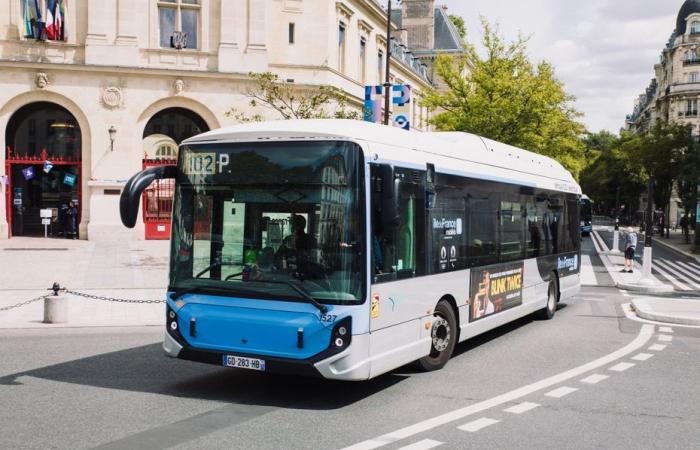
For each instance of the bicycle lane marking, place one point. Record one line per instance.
(645, 334)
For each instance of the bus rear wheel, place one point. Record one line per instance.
(547, 313)
(444, 338)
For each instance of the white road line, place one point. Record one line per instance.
(681, 277)
(521, 408)
(665, 338)
(692, 268)
(425, 444)
(665, 330)
(645, 334)
(657, 347)
(683, 273)
(622, 367)
(670, 278)
(561, 392)
(587, 274)
(479, 424)
(602, 243)
(594, 379)
(642, 356)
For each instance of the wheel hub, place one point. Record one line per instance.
(440, 334)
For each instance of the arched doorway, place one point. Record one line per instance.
(163, 133)
(43, 163)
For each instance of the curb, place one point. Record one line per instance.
(677, 250)
(659, 288)
(642, 310)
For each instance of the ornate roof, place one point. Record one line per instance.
(688, 8)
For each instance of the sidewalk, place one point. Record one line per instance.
(131, 270)
(677, 242)
(668, 310)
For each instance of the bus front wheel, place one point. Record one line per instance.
(548, 311)
(444, 338)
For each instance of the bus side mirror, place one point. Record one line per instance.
(131, 196)
(390, 197)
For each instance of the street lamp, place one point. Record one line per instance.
(112, 135)
(387, 81)
(646, 276)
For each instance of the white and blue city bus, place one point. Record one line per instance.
(347, 249)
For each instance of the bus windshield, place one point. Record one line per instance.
(276, 221)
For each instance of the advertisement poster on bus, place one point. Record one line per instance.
(494, 289)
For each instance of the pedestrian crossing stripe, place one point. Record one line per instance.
(684, 276)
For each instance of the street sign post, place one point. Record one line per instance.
(46, 215)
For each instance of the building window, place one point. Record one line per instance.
(695, 27)
(363, 59)
(380, 66)
(44, 21)
(693, 77)
(292, 27)
(341, 47)
(691, 107)
(179, 23)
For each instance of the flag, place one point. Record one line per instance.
(70, 179)
(48, 165)
(28, 173)
(52, 30)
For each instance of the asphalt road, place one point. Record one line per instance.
(114, 389)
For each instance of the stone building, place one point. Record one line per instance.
(95, 90)
(673, 93)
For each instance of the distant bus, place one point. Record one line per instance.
(586, 215)
(346, 249)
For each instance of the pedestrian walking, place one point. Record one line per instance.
(685, 225)
(72, 218)
(630, 249)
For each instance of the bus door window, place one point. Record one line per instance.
(512, 227)
(533, 237)
(483, 227)
(234, 215)
(447, 223)
(555, 223)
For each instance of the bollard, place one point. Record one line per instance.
(56, 307)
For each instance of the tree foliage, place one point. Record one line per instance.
(506, 97)
(290, 101)
(458, 22)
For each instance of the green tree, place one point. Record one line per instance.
(291, 101)
(458, 22)
(506, 97)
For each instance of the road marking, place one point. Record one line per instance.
(657, 347)
(690, 275)
(425, 444)
(521, 408)
(587, 274)
(694, 269)
(665, 330)
(645, 334)
(622, 367)
(642, 356)
(561, 392)
(479, 424)
(670, 278)
(594, 379)
(673, 270)
(602, 243)
(665, 338)
(625, 294)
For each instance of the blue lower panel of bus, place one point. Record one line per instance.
(271, 329)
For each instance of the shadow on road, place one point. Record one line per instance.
(146, 369)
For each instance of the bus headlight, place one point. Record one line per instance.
(341, 336)
(171, 324)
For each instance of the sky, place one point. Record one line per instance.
(603, 50)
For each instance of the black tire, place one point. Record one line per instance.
(444, 332)
(548, 312)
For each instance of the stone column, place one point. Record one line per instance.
(126, 42)
(97, 32)
(256, 49)
(231, 23)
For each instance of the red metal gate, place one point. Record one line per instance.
(158, 203)
(26, 160)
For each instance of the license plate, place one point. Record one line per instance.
(244, 363)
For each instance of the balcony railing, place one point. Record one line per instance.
(688, 114)
(691, 62)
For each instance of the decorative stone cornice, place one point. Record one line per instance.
(365, 27)
(344, 10)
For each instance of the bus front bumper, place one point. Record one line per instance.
(352, 364)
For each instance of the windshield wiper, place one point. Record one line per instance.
(225, 292)
(298, 289)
